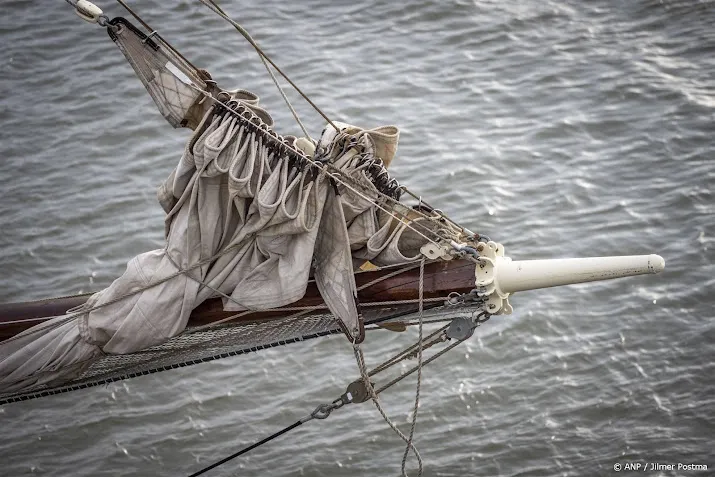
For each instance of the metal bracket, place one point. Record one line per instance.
(497, 300)
(472, 298)
(434, 251)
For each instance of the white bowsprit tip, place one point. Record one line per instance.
(498, 276)
(656, 264)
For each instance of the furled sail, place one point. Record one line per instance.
(247, 217)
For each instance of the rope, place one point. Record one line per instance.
(419, 374)
(213, 7)
(219, 11)
(410, 352)
(156, 34)
(200, 281)
(264, 57)
(426, 362)
(390, 275)
(249, 448)
(439, 212)
(360, 358)
(323, 166)
(373, 395)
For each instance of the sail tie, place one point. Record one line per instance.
(337, 175)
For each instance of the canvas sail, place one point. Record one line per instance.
(245, 221)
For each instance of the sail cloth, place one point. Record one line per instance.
(174, 85)
(245, 220)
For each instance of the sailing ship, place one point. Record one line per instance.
(271, 240)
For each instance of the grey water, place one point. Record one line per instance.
(558, 128)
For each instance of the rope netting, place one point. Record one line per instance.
(203, 344)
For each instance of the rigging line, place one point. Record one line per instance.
(157, 34)
(407, 351)
(412, 323)
(85, 310)
(275, 81)
(303, 310)
(424, 363)
(391, 213)
(419, 373)
(438, 211)
(360, 357)
(418, 211)
(429, 322)
(251, 447)
(385, 277)
(258, 49)
(385, 267)
(354, 188)
(373, 201)
(199, 280)
(338, 179)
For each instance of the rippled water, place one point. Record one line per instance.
(557, 128)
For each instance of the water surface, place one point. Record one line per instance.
(558, 128)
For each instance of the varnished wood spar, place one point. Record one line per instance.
(441, 278)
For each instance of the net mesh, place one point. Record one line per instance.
(202, 344)
(172, 83)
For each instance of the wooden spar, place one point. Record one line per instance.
(440, 279)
